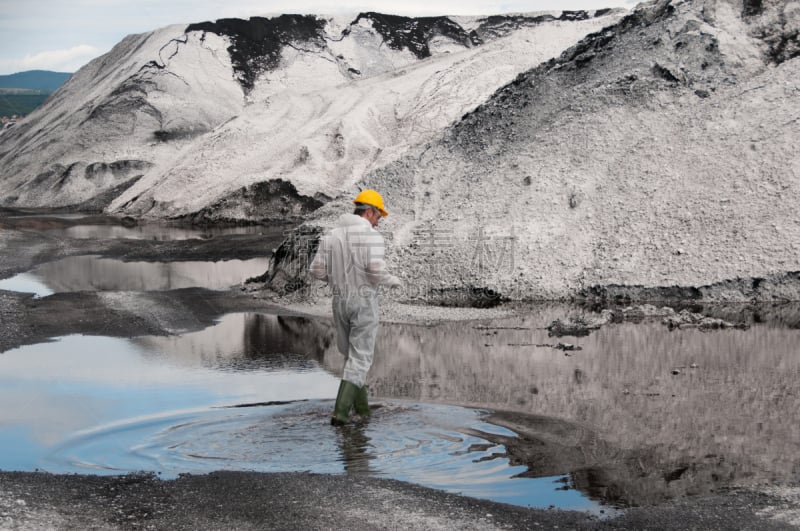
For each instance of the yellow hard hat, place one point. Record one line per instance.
(372, 198)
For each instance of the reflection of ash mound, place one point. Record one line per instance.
(622, 477)
(703, 319)
(463, 297)
(687, 319)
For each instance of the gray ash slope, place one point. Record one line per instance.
(655, 156)
(206, 107)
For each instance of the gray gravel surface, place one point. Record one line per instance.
(241, 500)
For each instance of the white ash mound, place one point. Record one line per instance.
(264, 119)
(655, 159)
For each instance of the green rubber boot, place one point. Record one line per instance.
(344, 402)
(361, 404)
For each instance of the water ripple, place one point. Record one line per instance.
(431, 445)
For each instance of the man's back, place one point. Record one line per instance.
(351, 258)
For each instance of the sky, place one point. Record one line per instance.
(63, 35)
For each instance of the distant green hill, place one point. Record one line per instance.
(20, 101)
(35, 80)
(22, 92)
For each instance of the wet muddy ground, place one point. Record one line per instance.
(633, 412)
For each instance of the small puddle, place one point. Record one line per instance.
(26, 283)
(48, 214)
(92, 273)
(99, 227)
(105, 405)
(420, 443)
(162, 232)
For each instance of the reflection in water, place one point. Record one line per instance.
(424, 444)
(161, 232)
(691, 410)
(26, 283)
(50, 215)
(94, 404)
(355, 445)
(242, 342)
(91, 273)
(80, 381)
(640, 414)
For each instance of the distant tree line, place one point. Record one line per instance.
(23, 92)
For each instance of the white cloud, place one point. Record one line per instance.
(68, 60)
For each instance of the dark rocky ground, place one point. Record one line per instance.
(241, 500)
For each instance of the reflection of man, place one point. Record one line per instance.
(350, 259)
(354, 444)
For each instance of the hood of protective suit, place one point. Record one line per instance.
(349, 220)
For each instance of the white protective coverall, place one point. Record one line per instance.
(351, 259)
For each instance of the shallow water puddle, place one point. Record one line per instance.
(55, 215)
(420, 443)
(92, 273)
(26, 283)
(640, 413)
(105, 405)
(160, 232)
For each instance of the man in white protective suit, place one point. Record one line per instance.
(351, 259)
